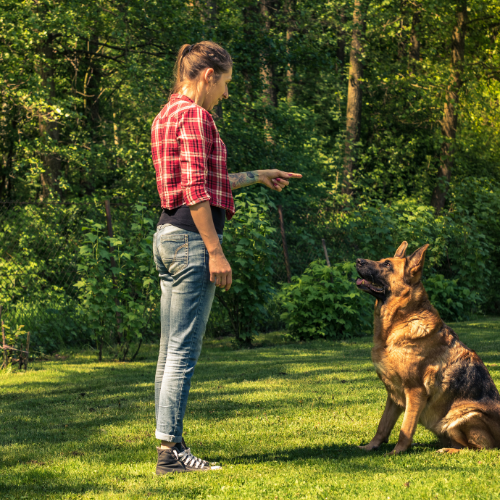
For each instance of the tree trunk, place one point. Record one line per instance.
(450, 118)
(49, 129)
(8, 133)
(93, 84)
(290, 74)
(354, 97)
(209, 16)
(211, 13)
(402, 38)
(208, 12)
(116, 137)
(251, 19)
(415, 44)
(267, 70)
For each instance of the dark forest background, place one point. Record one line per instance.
(379, 100)
(389, 109)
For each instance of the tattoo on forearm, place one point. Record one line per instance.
(243, 179)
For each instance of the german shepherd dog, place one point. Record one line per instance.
(429, 374)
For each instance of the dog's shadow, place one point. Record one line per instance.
(332, 452)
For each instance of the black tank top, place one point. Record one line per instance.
(181, 217)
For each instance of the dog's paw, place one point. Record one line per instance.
(396, 451)
(368, 447)
(448, 450)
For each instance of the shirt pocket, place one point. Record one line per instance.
(174, 252)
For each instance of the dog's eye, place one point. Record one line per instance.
(387, 263)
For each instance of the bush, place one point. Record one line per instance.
(31, 263)
(248, 247)
(324, 302)
(480, 198)
(453, 302)
(118, 286)
(53, 326)
(460, 246)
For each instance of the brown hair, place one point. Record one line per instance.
(193, 59)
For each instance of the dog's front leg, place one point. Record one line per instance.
(416, 399)
(387, 422)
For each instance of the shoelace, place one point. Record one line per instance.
(187, 458)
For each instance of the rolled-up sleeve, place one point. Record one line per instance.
(195, 136)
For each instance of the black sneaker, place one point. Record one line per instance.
(187, 457)
(174, 460)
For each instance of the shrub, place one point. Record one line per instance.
(460, 247)
(15, 337)
(248, 247)
(453, 302)
(324, 302)
(31, 263)
(119, 289)
(480, 198)
(52, 326)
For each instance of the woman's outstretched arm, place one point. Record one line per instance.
(274, 179)
(243, 179)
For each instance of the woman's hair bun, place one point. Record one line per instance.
(193, 59)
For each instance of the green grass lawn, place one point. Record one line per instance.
(283, 419)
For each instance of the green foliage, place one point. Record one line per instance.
(453, 302)
(31, 237)
(248, 246)
(16, 337)
(324, 302)
(51, 328)
(463, 242)
(479, 198)
(116, 282)
(80, 87)
(37, 269)
(459, 246)
(79, 91)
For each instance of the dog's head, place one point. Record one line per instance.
(392, 276)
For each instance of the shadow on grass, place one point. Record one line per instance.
(332, 452)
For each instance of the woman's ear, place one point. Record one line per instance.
(208, 75)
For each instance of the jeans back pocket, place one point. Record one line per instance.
(173, 250)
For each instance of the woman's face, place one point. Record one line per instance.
(218, 91)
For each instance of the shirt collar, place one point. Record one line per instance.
(180, 97)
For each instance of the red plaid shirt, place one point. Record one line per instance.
(189, 157)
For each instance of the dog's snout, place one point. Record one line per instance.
(360, 262)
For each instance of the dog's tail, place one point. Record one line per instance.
(493, 415)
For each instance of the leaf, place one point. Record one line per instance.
(91, 236)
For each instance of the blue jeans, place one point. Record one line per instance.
(186, 299)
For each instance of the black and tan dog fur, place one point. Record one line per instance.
(429, 374)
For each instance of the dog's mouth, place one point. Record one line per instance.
(367, 285)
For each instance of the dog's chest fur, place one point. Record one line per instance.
(409, 352)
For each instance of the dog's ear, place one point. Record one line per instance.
(400, 252)
(416, 262)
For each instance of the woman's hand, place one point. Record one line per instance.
(276, 179)
(220, 270)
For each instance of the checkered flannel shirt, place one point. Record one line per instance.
(189, 157)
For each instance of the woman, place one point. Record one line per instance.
(195, 191)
